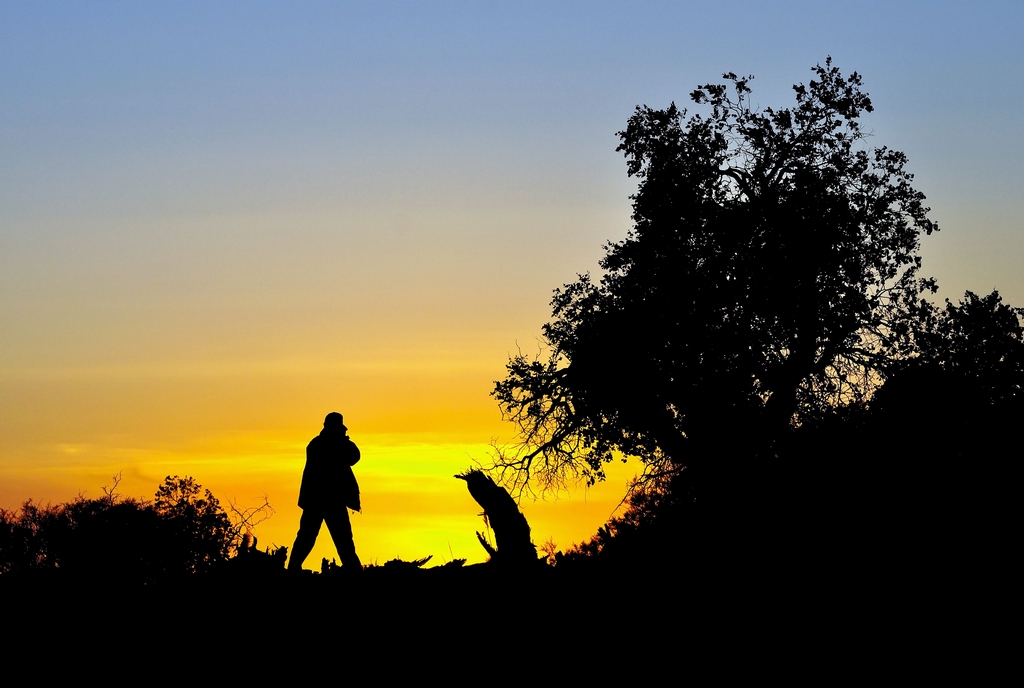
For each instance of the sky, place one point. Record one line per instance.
(220, 221)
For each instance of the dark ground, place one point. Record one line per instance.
(481, 624)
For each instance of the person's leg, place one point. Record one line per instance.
(340, 527)
(309, 528)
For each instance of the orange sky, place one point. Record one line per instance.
(241, 430)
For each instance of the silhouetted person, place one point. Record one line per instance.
(328, 490)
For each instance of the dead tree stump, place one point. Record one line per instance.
(511, 531)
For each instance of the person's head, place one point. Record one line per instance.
(334, 422)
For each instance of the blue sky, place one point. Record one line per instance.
(127, 109)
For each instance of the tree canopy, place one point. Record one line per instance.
(772, 271)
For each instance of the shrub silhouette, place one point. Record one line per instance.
(183, 531)
(194, 528)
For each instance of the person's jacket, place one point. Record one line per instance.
(328, 481)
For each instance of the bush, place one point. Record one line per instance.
(184, 531)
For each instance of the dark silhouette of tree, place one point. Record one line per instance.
(115, 538)
(647, 533)
(769, 274)
(979, 340)
(195, 528)
(963, 398)
(920, 476)
(110, 537)
(19, 546)
(954, 406)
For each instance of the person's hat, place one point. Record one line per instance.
(335, 420)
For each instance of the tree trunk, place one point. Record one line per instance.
(511, 531)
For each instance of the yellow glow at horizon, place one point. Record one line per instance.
(241, 431)
(412, 504)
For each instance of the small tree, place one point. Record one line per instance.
(193, 525)
(980, 339)
(925, 472)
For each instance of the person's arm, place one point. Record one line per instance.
(352, 455)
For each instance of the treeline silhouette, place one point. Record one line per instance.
(763, 342)
(921, 475)
(183, 531)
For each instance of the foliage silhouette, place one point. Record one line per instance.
(195, 529)
(771, 274)
(647, 534)
(917, 476)
(980, 340)
(83, 537)
(183, 531)
(962, 397)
